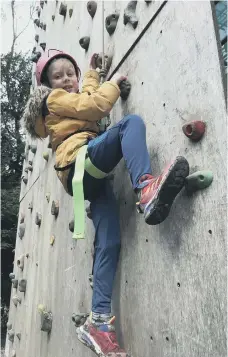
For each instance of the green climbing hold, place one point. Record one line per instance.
(46, 156)
(198, 181)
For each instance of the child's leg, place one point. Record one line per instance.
(107, 248)
(126, 139)
(98, 332)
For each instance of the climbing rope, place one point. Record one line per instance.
(137, 40)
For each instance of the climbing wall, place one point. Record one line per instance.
(170, 291)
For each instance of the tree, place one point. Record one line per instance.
(15, 88)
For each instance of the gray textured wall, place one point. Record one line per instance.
(170, 293)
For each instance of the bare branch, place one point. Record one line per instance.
(15, 35)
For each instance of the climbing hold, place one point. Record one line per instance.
(12, 276)
(63, 9)
(38, 219)
(22, 285)
(107, 60)
(27, 255)
(111, 22)
(20, 262)
(46, 321)
(21, 230)
(88, 211)
(91, 280)
(52, 240)
(38, 11)
(79, 319)
(35, 57)
(55, 208)
(25, 180)
(37, 22)
(37, 38)
(194, 130)
(71, 225)
(43, 45)
(30, 206)
(41, 308)
(33, 148)
(92, 8)
(48, 195)
(18, 335)
(125, 88)
(44, 27)
(30, 168)
(198, 181)
(22, 218)
(53, 17)
(30, 162)
(15, 283)
(11, 335)
(26, 170)
(46, 156)
(84, 42)
(129, 14)
(41, 25)
(49, 145)
(16, 299)
(9, 326)
(70, 12)
(41, 4)
(148, 2)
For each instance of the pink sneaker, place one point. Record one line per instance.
(101, 339)
(156, 198)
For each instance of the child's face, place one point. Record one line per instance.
(61, 74)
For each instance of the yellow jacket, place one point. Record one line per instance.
(71, 118)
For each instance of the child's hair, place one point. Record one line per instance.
(44, 77)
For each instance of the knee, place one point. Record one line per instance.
(112, 246)
(133, 118)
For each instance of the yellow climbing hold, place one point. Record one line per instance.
(52, 239)
(41, 308)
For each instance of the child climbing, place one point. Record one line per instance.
(71, 119)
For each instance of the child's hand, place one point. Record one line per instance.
(118, 78)
(93, 64)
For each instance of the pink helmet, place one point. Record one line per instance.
(45, 60)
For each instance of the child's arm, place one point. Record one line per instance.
(91, 79)
(84, 106)
(90, 82)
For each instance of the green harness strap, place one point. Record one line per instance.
(82, 164)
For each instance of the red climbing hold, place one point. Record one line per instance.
(194, 130)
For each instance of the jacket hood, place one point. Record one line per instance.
(33, 109)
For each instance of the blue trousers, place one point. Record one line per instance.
(126, 139)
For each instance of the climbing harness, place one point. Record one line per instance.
(82, 164)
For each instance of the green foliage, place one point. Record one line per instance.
(15, 87)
